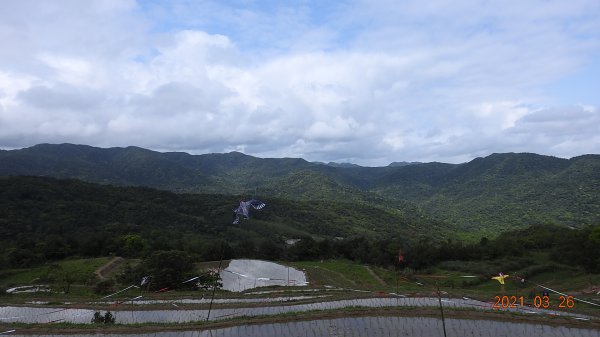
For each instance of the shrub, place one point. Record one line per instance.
(104, 287)
(108, 318)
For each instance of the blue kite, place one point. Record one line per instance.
(243, 210)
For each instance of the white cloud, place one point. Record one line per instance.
(69, 70)
(364, 82)
(503, 114)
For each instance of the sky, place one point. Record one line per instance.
(367, 82)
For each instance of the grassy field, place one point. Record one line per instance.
(566, 279)
(73, 275)
(339, 273)
(79, 271)
(349, 275)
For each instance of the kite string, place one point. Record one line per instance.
(558, 292)
(120, 291)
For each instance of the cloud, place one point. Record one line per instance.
(61, 98)
(561, 124)
(367, 82)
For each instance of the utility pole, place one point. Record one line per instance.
(215, 283)
(441, 308)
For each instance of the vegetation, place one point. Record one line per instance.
(486, 195)
(572, 247)
(45, 219)
(108, 318)
(48, 220)
(168, 270)
(492, 208)
(342, 273)
(59, 274)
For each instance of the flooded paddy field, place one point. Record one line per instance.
(289, 311)
(245, 274)
(216, 300)
(375, 327)
(10, 314)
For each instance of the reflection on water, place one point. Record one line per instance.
(207, 300)
(379, 326)
(45, 315)
(246, 274)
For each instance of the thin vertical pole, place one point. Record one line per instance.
(441, 309)
(215, 284)
(397, 290)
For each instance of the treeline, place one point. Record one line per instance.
(45, 219)
(574, 247)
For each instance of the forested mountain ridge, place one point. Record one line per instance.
(45, 218)
(504, 190)
(176, 171)
(493, 193)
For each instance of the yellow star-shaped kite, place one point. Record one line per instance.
(500, 278)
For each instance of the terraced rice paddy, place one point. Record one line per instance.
(45, 314)
(302, 311)
(376, 327)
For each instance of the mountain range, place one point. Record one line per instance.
(485, 196)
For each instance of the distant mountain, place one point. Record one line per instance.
(403, 163)
(490, 194)
(176, 171)
(342, 165)
(503, 190)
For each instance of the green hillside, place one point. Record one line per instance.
(481, 197)
(45, 218)
(504, 190)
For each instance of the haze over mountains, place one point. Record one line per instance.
(485, 195)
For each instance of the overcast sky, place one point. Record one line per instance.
(368, 82)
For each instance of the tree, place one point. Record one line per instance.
(209, 279)
(104, 287)
(168, 268)
(595, 235)
(108, 318)
(131, 245)
(21, 258)
(305, 249)
(55, 247)
(269, 250)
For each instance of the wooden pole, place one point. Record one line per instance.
(397, 281)
(215, 284)
(441, 309)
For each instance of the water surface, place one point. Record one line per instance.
(246, 274)
(377, 327)
(45, 315)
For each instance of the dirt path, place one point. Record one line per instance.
(375, 276)
(108, 269)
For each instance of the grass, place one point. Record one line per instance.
(342, 273)
(81, 271)
(345, 274)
